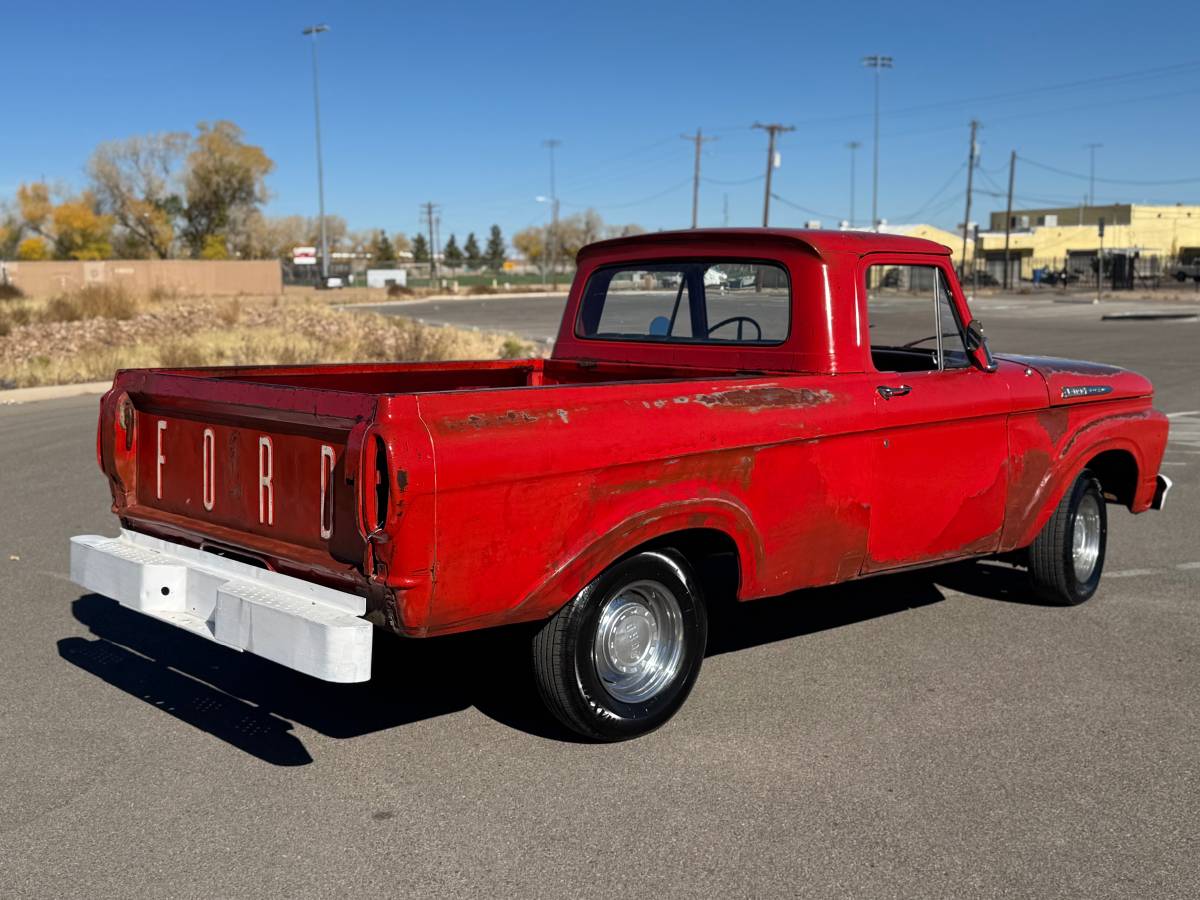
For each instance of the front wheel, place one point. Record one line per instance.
(1067, 557)
(620, 659)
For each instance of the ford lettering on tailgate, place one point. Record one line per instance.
(278, 485)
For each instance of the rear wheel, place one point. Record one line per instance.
(620, 659)
(1067, 557)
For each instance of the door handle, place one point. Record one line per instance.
(887, 392)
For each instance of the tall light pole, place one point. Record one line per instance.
(876, 62)
(314, 30)
(1092, 173)
(853, 148)
(550, 144)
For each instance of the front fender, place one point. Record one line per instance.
(1051, 447)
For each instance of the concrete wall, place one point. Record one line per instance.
(140, 276)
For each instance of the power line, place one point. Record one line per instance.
(655, 196)
(924, 206)
(1084, 177)
(804, 209)
(737, 182)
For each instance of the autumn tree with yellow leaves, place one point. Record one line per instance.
(158, 195)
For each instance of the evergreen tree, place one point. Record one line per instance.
(495, 252)
(451, 254)
(471, 250)
(382, 249)
(420, 248)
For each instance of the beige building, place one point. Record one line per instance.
(1069, 238)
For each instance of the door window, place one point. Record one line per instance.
(913, 323)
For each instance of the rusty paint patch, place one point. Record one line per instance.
(758, 399)
(1100, 423)
(512, 417)
(1053, 365)
(1055, 421)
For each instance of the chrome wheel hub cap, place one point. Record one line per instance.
(1085, 537)
(638, 647)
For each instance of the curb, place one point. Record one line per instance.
(52, 392)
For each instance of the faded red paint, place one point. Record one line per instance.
(478, 493)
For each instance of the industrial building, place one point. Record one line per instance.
(1139, 241)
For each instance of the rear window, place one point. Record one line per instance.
(698, 301)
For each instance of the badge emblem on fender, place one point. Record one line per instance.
(1085, 390)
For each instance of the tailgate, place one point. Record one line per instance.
(260, 471)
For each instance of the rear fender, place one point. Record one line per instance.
(586, 563)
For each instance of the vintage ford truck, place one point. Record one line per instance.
(802, 407)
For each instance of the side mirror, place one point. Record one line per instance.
(977, 346)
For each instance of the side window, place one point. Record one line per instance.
(912, 321)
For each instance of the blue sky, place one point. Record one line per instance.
(450, 102)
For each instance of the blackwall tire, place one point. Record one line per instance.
(620, 659)
(1066, 559)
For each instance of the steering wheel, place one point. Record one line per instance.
(739, 320)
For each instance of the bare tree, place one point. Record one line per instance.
(136, 181)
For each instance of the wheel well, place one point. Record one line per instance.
(1118, 474)
(712, 554)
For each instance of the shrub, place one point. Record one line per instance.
(9, 291)
(477, 289)
(181, 355)
(230, 313)
(514, 349)
(161, 292)
(399, 290)
(93, 301)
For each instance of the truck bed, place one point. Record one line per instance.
(283, 467)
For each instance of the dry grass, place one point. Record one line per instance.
(63, 343)
(94, 301)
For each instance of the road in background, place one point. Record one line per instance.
(929, 735)
(536, 317)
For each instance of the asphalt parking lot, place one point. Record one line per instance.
(927, 735)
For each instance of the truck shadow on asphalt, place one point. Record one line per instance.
(254, 705)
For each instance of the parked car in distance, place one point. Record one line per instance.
(824, 424)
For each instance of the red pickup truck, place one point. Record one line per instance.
(800, 407)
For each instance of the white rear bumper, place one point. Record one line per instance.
(304, 626)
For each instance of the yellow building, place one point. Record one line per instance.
(1069, 238)
(933, 233)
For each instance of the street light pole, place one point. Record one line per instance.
(314, 30)
(1092, 173)
(550, 144)
(853, 147)
(876, 62)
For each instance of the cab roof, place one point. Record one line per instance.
(818, 242)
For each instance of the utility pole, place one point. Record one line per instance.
(1100, 261)
(429, 214)
(771, 130)
(876, 62)
(552, 244)
(1092, 173)
(699, 139)
(967, 215)
(853, 146)
(313, 31)
(1012, 171)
